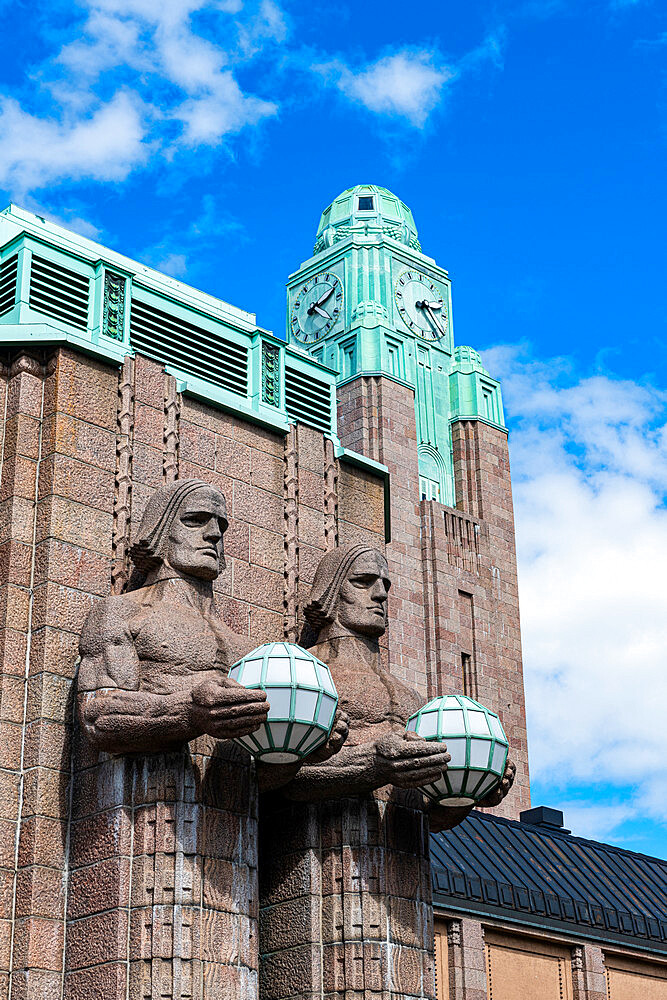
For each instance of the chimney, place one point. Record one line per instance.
(544, 817)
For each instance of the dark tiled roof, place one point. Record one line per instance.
(545, 877)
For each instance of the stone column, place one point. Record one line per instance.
(589, 980)
(376, 417)
(346, 900)
(467, 960)
(163, 879)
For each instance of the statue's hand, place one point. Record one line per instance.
(224, 708)
(408, 760)
(495, 797)
(339, 734)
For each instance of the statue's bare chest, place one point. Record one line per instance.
(373, 697)
(174, 639)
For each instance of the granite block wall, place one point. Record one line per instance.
(136, 877)
(454, 605)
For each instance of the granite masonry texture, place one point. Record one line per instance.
(454, 603)
(136, 877)
(345, 889)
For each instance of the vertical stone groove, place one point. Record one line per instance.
(330, 496)
(4, 374)
(172, 416)
(123, 484)
(291, 490)
(130, 886)
(29, 365)
(431, 609)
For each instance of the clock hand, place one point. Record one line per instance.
(324, 297)
(427, 309)
(432, 305)
(320, 312)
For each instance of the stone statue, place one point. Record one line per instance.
(344, 845)
(348, 613)
(154, 661)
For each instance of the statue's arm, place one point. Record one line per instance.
(121, 718)
(116, 715)
(273, 776)
(400, 759)
(354, 770)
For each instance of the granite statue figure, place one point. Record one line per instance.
(347, 612)
(154, 660)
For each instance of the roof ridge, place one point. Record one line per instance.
(570, 837)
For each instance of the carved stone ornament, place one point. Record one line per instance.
(270, 373)
(154, 660)
(347, 612)
(114, 306)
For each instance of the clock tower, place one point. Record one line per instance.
(370, 302)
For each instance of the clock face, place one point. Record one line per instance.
(316, 307)
(421, 305)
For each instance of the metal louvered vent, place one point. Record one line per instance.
(59, 292)
(308, 400)
(8, 269)
(173, 341)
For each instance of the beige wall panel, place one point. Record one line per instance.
(527, 970)
(629, 979)
(441, 962)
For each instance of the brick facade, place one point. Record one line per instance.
(454, 604)
(136, 877)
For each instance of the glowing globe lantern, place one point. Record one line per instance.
(302, 699)
(476, 741)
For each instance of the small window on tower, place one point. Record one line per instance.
(366, 204)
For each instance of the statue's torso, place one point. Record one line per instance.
(174, 638)
(376, 702)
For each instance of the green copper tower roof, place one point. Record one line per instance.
(370, 302)
(363, 209)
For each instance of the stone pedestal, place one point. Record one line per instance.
(162, 895)
(345, 897)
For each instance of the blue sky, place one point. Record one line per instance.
(529, 139)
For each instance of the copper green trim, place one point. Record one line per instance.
(270, 373)
(114, 306)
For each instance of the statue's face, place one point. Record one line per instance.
(362, 599)
(195, 539)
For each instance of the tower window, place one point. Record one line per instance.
(366, 204)
(429, 489)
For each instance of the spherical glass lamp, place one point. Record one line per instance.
(476, 741)
(302, 699)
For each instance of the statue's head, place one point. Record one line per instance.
(349, 593)
(182, 530)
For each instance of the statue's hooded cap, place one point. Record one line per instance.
(329, 576)
(149, 549)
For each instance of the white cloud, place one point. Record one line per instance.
(225, 109)
(595, 821)
(141, 78)
(269, 25)
(103, 146)
(172, 263)
(589, 466)
(407, 84)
